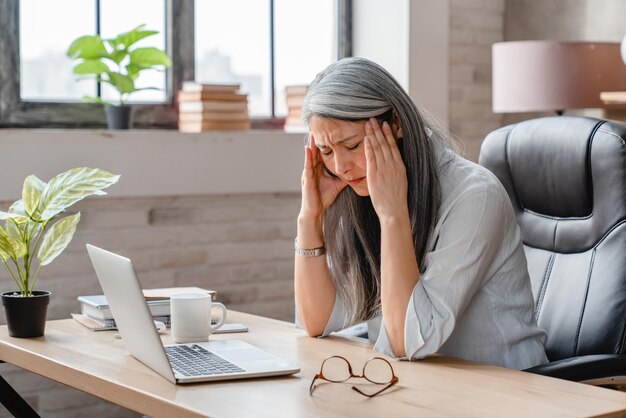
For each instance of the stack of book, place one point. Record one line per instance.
(96, 309)
(95, 312)
(295, 98)
(212, 107)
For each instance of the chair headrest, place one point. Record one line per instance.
(565, 175)
(549, 163)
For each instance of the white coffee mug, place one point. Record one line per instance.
(191, 317)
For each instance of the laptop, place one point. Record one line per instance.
(178, 363)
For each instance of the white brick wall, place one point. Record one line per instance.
(239, 245)
(474, 26)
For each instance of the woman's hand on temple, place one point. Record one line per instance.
(319, 189)
(386, 173)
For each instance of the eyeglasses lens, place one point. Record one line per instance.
(378, 371)
(336, 369)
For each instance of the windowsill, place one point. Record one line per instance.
(157, 162)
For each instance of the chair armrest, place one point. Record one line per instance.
(602, 369)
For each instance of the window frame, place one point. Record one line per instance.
(180, 45)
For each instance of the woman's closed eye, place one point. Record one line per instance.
(353, 147)
(328, 151)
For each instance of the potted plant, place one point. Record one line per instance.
(35, 231)
(117, 62)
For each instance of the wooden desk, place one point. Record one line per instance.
(98, 364)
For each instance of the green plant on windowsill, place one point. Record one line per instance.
(117, 62)
(32, 230)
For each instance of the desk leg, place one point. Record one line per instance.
(13, 402)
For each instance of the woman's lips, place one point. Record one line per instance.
(356, 181)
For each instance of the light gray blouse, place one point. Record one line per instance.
(473, 299)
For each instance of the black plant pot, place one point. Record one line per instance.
(119, 117)
(26, 316)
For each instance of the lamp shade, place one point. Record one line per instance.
(537, 76)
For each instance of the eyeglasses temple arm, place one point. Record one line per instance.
(393, 382)
(311, 388)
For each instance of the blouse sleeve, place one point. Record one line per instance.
(336, 321)
(469, 238)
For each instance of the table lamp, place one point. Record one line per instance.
(540, 76)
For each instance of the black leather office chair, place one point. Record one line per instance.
(566, 177)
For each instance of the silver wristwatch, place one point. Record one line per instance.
(305, 252)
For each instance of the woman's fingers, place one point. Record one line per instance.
(372, 129)
(370, 159)
(307, 158)
(373, 141)
(392, 142)
(312, 143)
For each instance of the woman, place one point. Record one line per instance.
(397, 230)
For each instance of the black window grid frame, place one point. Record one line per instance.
(179, 41)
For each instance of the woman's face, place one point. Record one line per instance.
(342, 150)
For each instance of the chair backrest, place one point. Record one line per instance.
(566, 177)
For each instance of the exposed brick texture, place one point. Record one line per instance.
(474, 26)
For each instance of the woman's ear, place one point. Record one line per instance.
(395, 126)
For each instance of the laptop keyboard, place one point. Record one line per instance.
(194, 360)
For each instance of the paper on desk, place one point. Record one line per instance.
(167, 292)
(91, 324)
(95, 326)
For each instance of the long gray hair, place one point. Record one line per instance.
(355, 89)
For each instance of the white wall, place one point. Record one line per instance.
(410, 39)
(381, 33)
(428, 56)
(159, 162)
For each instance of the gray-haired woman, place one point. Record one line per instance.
(398, 230)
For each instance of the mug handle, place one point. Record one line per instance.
(222, 320)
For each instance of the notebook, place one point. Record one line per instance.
(178, 363)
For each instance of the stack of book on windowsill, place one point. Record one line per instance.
(96, 314)
(212, 107)
(295, 97)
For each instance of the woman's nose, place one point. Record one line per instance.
(343, 164)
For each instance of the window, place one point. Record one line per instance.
(233, 45)
(136, 12)
(208, 40)
(46, 71)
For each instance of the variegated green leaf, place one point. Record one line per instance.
(5, 248)
(18, 208)
(19, 247)
(10, 247)
(18, 218)
(57, 238)
(68, 188)
(31, 193)
(17, 231)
